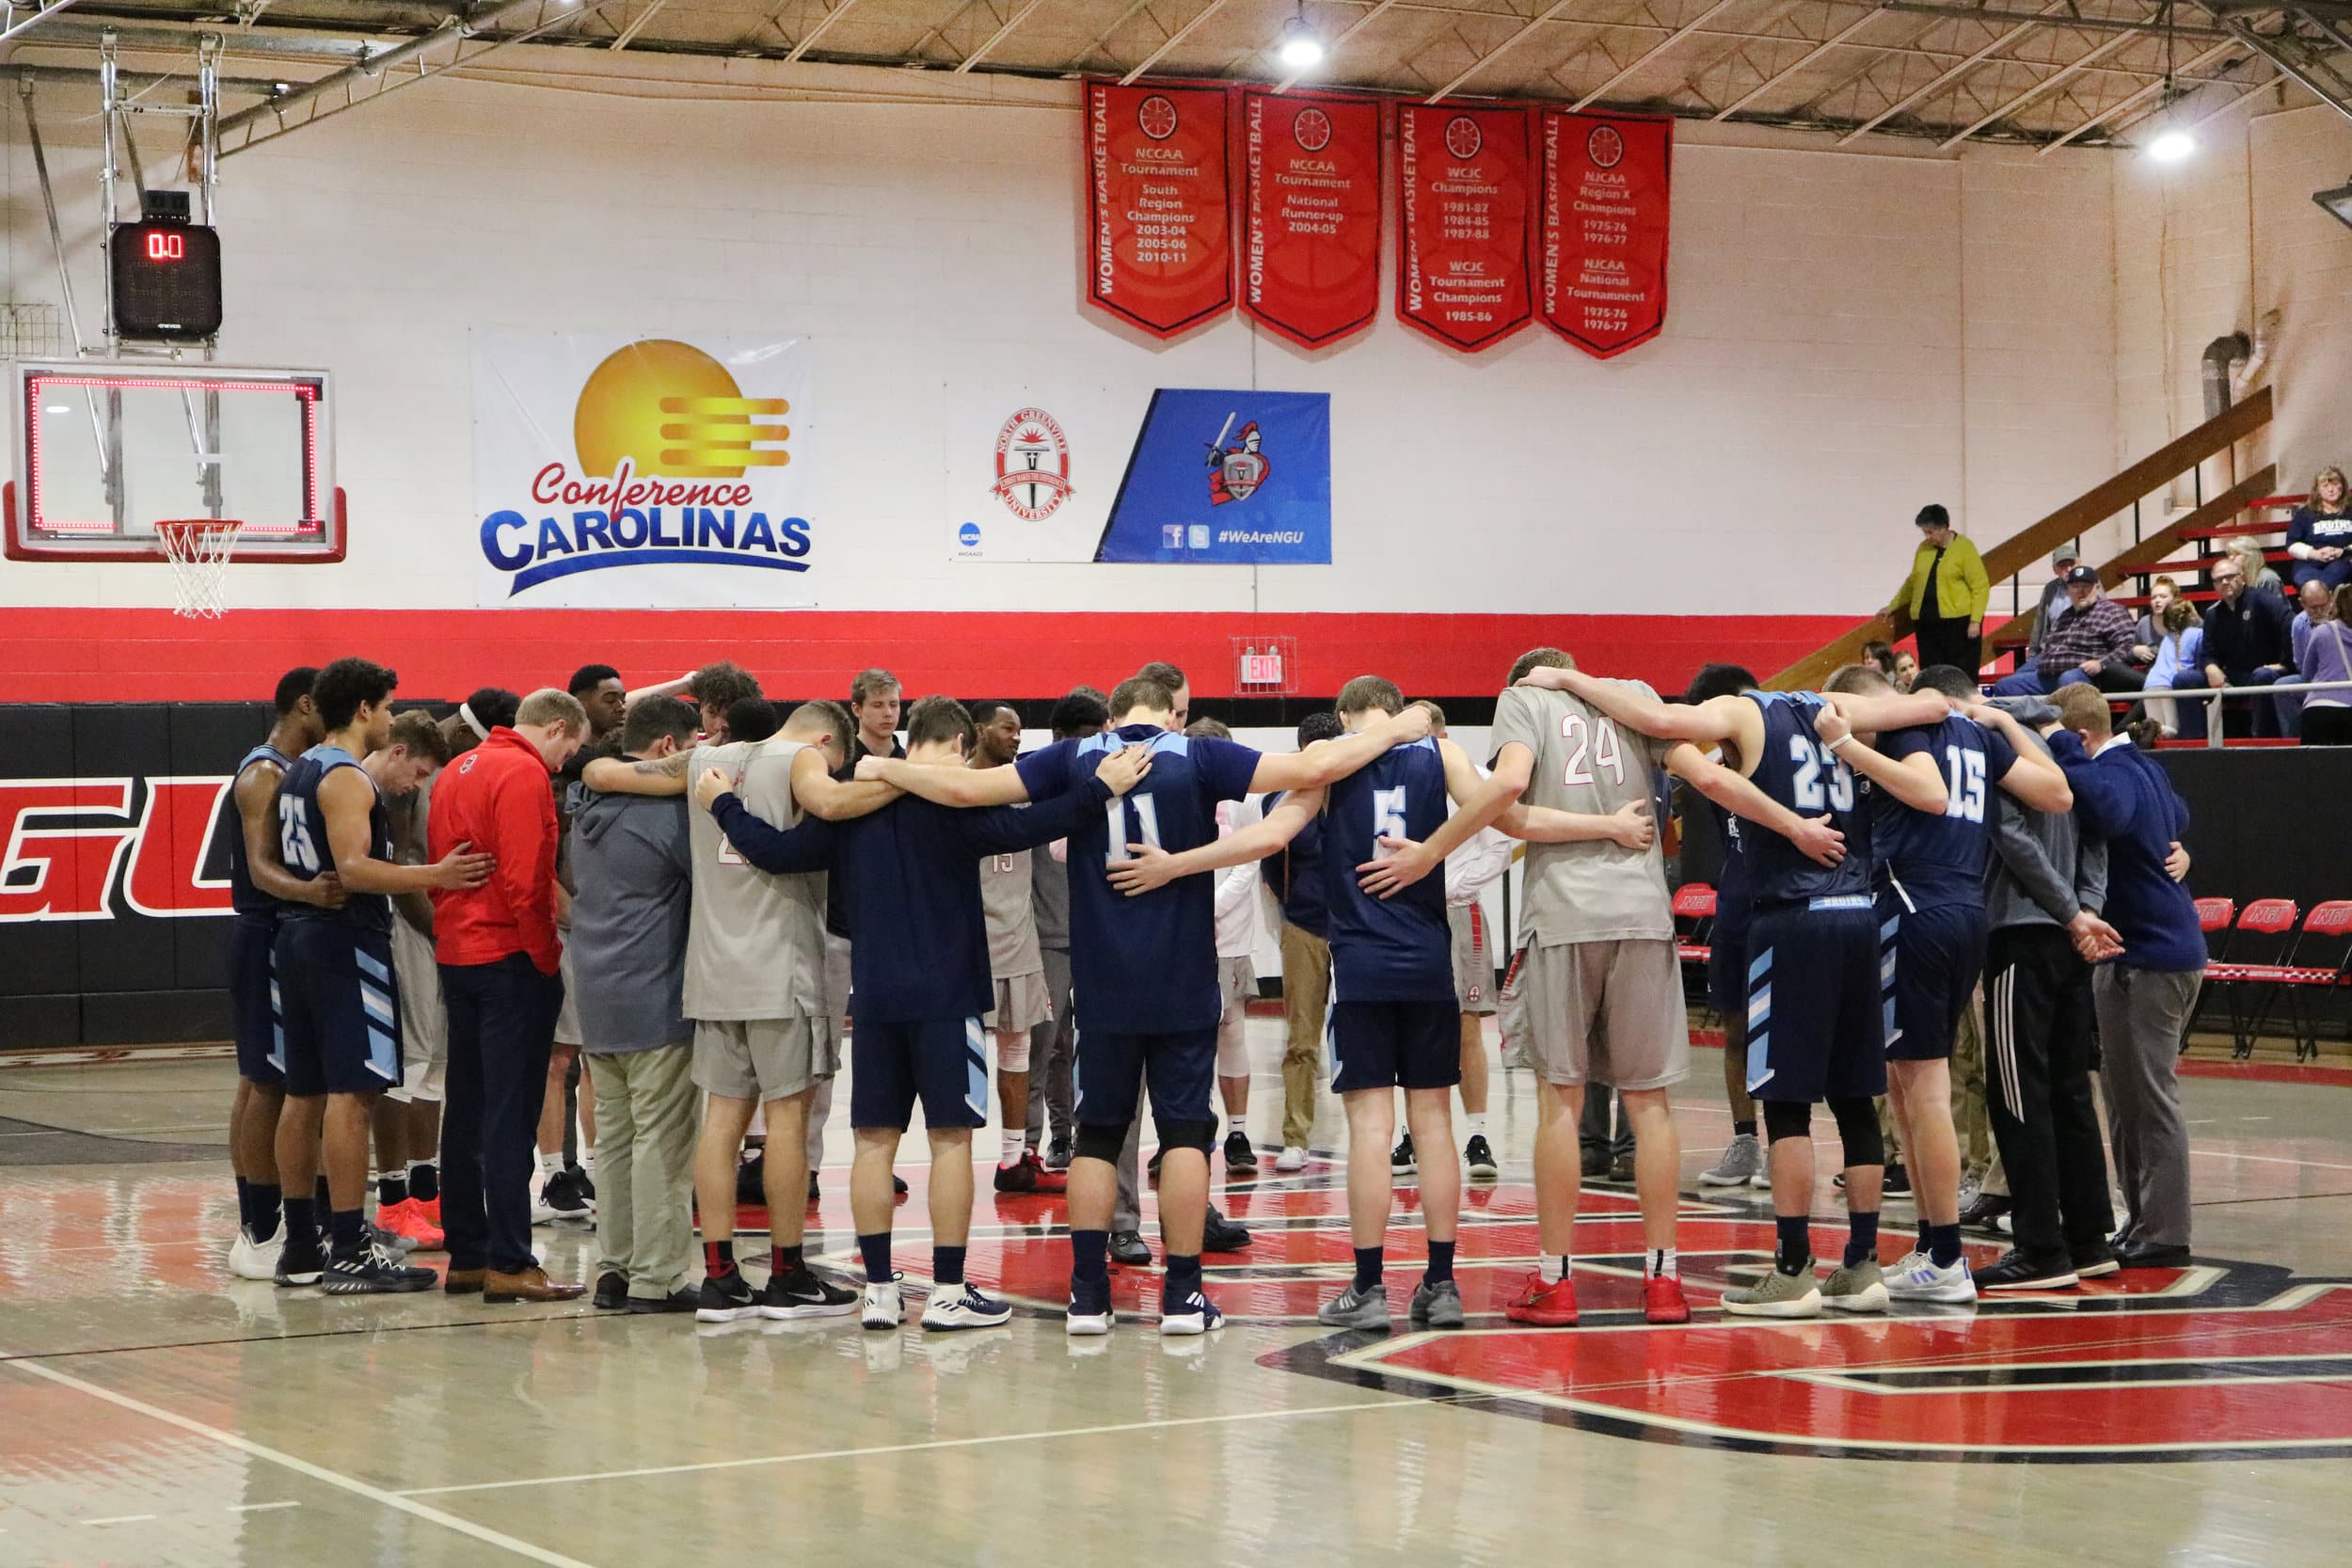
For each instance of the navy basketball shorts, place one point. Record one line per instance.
(1180, 1067)
(337, 1009)
(1931, 962)
(941, 1061)
(1394, 1045)
(253, 1008)
(1816, 1013)
(1727, 985)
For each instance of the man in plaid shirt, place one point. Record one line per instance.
(2090, 640)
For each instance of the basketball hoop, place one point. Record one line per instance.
(198, 549)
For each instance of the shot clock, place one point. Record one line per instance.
(167, 279)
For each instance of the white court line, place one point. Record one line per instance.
(258, 1507)
(303, 1466)
(119, 1519)
(917, 1448)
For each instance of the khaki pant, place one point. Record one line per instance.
(1970, 1119)
(1306, 989)
(645, 1124)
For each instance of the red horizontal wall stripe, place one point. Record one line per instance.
(91, 654)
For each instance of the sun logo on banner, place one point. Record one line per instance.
(668, 408)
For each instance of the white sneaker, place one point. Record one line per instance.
(541, 1213)
(252, 1259)
(1918, 1278)
(1291, 1159)
(953, 1307)
(885, 1307)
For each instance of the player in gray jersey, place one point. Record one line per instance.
(1596, 976)
(755, 989)
(1016, 970)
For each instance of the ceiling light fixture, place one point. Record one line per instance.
(2171, 147)
(1300, 47)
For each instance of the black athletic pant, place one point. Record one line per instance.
(502, 1030)
(2040, 1048)
(1945, 641)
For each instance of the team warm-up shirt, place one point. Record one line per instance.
(1933, 859)
(1006, 897)
(1148, 965)
(1596, 890)
(1799, 771)
(244, 897)
(755, 940)
(1397, 949)
(1295, 873)
(303, 845)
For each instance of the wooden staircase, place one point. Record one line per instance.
(2087, 510)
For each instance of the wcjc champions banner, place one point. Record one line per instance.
(619, 471)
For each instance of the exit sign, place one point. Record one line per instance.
(1262, 668)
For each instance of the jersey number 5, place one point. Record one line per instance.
(1147, 819)
(1812, 758)
(1601, 743)
(294, 837)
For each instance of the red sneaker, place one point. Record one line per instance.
(405, 1218)
(1552, 1306)
(1047, 1180)
(1663, 1303)
(430, 1209)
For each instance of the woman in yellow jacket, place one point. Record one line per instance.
(1946, 594)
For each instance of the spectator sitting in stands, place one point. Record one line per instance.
(2257, 567)
(2319, 535)
(2149, 631)
(2063, 561)
(2328, 656)
(1879, 657)
(1907, 671)
(2319, 607)
(2180, 663)
(2246, 644)
(2090, 640)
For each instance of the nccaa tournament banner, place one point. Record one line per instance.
(619, 471)
(1309, 213)
(1464, 184)
(1605, 222)
(1159, 205)
(1226, 477)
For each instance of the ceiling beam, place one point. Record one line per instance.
(824, 25)
(2073, 20)
(2063, 74)
(1999, 42)
(988, 45)
(1655, 50)
(1524, 31)
(1173, 40)
(1334, 46)
(2245, 97)
(21, 28)
(1835, 41)
(2130, 101)
(637, 24)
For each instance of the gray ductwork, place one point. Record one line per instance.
(2219, 354)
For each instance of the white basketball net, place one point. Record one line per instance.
(199, 551)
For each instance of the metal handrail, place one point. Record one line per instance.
(2213, 697)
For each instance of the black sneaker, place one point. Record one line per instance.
(1401, 1162)
(1596, 1163)
(1981, 1214)
(898, 1185)
(562, 1193)
(751, 1180)
(812, 1186)
(2096, 1261)
(684, 1299)
(1130, 1249)
(726, 1299)
(1480, 1155)
(1621, 1170)
(1220, 1234)
(1058, 1151)
(582, 1182)
(1239, 1156)
(301, 1262)
(2014, 1271)
(611, 1292)
(1897, 1182)
(804, 1293)
(373, 1271)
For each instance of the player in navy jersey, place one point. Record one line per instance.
(1816, 1017)
(338, 1007)
(1146, 967)
(258, 885)
(1742, 1162)
(1931, 835)
(907, 883)
(1391, 1023)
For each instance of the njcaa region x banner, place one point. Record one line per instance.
(1209, 477)
(617, 472)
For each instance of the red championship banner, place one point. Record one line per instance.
(1465, 186)
(1159, 205)
(1605, 211)
(1309, 213)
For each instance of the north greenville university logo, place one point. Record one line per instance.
(1032, 465)
(1236, 472)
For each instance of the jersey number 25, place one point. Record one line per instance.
(294, 837)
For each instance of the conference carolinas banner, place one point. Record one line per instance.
(619, 471)
(1194, 476)
(1464, 183)
(1605, 225)
(1309, 213)
(1159, 205)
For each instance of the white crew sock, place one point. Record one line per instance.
(1477, 1124)
(1660, 1263)
(1016, 1143)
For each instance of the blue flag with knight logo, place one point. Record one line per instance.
(1226, 477)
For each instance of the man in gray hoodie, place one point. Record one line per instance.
(634, 871)
(2044, 889)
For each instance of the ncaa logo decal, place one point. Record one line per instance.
(1236, 472)
(1462, 136)
(1604, 147)
(1155, 117)
(1312, 130)
(1032, 465)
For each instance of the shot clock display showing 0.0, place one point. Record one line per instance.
(166, 280)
